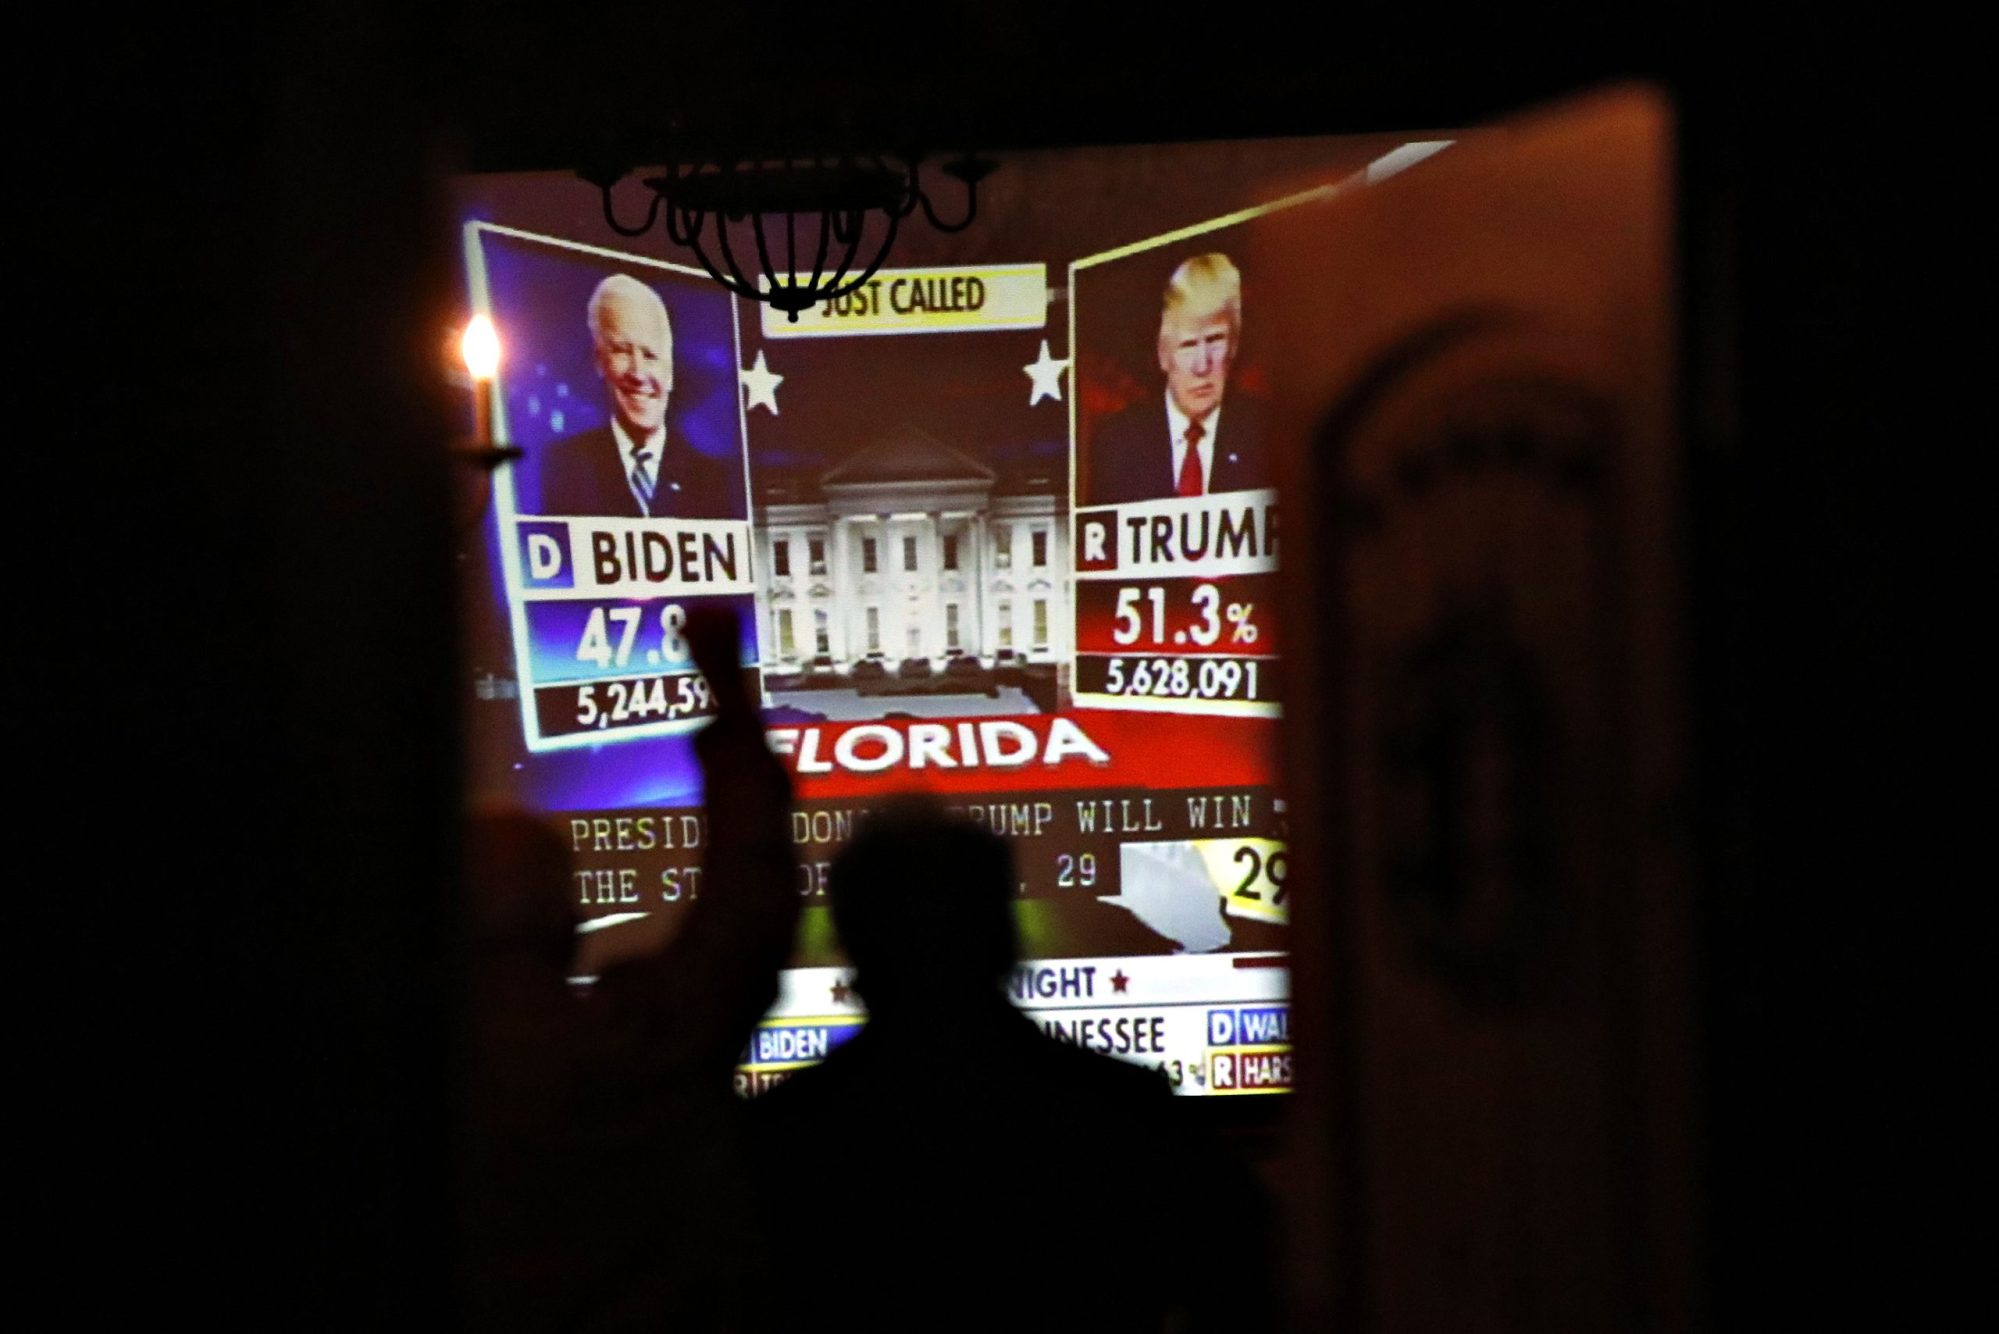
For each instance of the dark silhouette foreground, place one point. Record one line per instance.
(602, 1184)
(949, 1168)
(952, 1167)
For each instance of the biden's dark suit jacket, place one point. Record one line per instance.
(585, 474)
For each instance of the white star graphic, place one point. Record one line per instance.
(762, 384)
(1046, 372)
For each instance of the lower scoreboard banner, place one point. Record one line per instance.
(1145, 1012)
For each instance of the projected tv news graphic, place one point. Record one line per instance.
(1149, 1011)
(967, 560)
(604, 602)
(1174, 604)
(1177, 541)
(630, 505)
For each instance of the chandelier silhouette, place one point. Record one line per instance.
(814, 214)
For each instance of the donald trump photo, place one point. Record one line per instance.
(1189, 441)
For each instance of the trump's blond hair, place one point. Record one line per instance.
(1202, 286)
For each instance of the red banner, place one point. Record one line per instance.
(1226, 614)
(1065, 751)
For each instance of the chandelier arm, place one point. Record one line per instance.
(856, 222)
(720, 277)
(912, 191)
(888, 243)
(729, 256)
(971, 210)
(611, 214)
(683, 225)
(693, 242)
(763, 254)
(846, 264)
(819, 259)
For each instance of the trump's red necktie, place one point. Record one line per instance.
(1190, 467)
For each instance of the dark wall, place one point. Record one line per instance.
(254, 778)
(1810, 434)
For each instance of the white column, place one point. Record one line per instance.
(895, 607)
(801, 602)
(934, 571)
(978, 613)
(840, 578)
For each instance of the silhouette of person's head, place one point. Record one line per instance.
(924, 905)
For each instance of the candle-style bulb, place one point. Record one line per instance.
(481, 348)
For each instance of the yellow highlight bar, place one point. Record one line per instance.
(1250, 875)
(906, 301)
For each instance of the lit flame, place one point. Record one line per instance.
(481, 348)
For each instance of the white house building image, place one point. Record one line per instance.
(913, 553)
